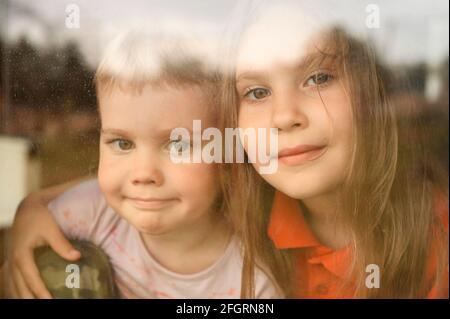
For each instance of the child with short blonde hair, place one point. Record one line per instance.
(163, 225)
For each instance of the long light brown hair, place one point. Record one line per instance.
(388, 197)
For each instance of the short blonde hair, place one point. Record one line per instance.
(138, 57)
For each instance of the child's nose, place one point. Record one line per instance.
(287, 113)
(146, 170)
(148, 178)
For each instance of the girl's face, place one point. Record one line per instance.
(302, 96)
(136, 173)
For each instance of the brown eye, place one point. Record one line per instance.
(124, 145)
(258, 94)
(318, 79)
(121, 144)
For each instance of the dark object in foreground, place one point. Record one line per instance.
(89, 277)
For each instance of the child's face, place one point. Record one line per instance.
(314, 130)
(136, 174)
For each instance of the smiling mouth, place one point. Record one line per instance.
(151, 203)
(301, 154)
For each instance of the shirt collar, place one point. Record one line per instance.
(289, 229)
(287, 225)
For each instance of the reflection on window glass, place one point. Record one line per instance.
(203, 142)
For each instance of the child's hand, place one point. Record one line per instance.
(33, 226)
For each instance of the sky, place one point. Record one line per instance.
(410, 30)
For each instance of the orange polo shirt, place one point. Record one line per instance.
(322, 272)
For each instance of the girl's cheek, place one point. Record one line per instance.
(343, 121)
(109, 160)
(109, 172)
(253, 122)
(255, 116)
(196, 178)
(105, 179)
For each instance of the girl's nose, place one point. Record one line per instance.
(287, 113)
(148, 178)
(146, 171)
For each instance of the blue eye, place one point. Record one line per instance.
(318, 79)
(121, 144)
(179, 146)
(257, 94)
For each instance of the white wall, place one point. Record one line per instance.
(18, 175)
